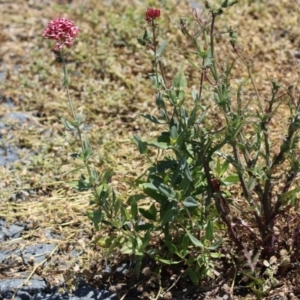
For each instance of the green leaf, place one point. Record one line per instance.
(224, 167)
(101, 193)
(188, 174)
(152, 119)
(87, 151)
(164, 189)
(142, 146)
(134, 209)
(185, 244)
(209, 233)
(207, 63)
(190, 202)
(227, 3)
(173, 132)
(117, 204)
(202, 117)
(161, 49)
(160, 101)
(167, 261)
(169, 216)
(94, 176)
(136, 198)
(289, 193)
(143, 227)
(153, 210)
(185, 185)
(258, 280)
(192, 275)
(194, 240)
(152, 251)
(156, 80)
(195, 95)
(147, 214)
(138, 265)
(193, 116)
(172, 248)
(96, 217)
(151, 191)
(179, 81)
(161, 142)
(80, 185)
(175, 175)
(107, 176)
(216, 255)
(105, 241)
(218, 167)
(181, 139)
(69, 125)
(251, 183)
(165, 165)
(146, 239)
(126, 249)
(221, 168)
(178, 97)
(75, 155)
(230, 179)
(217, 98)
(215, 245)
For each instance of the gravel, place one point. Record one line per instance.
(36, 288)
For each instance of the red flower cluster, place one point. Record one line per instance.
(152, 13)
(63, 31)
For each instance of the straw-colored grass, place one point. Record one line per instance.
(108, 71)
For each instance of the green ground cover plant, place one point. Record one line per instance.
(214, 198)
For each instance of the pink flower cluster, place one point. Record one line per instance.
(152, 13)
(63, 31)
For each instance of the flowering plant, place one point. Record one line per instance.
(207, 168)
(106, 206)
(152, 14)
(205, 162)
(63, 31)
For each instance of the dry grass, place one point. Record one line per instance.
(108, 71)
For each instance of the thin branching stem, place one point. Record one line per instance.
(254, 86)
(71, 105)
(246, 190)
(157, 60)
(223, 214)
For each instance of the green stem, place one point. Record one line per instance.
(255, 89)
(154, 48)
(157, 59)
(212, 49)
(220, 210)
(66, 84)
(71, 105)
(201, 80)
(246, 192)
(212, 27)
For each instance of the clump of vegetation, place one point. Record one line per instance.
(216, 182)
(213, 196)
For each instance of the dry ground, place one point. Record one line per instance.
(108, 71)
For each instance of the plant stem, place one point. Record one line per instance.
(201, 80)
(157, 59)
(254, 86)
(219, 207)
(212, 49)
(246, 192)
(71, 105)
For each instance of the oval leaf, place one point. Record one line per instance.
(194, 240)
(190, 202)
